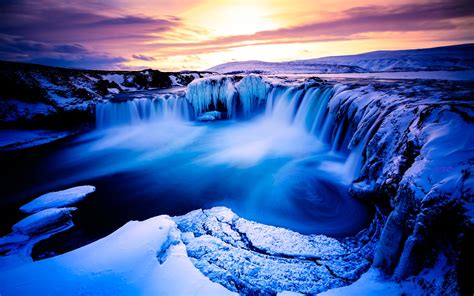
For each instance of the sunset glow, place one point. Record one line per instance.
(192, 34)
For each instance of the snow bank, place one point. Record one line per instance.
(58, 199)
(123, 263)
(373, 283)
(17, 246)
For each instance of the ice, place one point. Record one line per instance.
(58, 199)
(16, 247)
(210, 116)
(252, 90)
(43, 221)
(203, 93)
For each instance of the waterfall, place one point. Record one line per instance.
(322, 110)
(160, 107)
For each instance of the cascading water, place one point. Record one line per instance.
(139, 110)
(305, 106)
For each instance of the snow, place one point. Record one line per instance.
(123, 263)
(19, 139)
(113, 90)
(26, 233)
(432, 59)
(117, 78)
(14, 110)
(467, 75)
(373, 283)
(174, 81)
(247, 257)
(42, 220)
(58, 199)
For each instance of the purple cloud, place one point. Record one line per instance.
(50, 31)
(143, 57)
(66, 55)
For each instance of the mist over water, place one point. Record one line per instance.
(262, 169)
(271, 168)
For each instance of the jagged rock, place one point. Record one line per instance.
(253, 258)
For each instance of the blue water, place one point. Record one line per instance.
(264, 169)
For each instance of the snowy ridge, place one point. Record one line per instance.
(451, 58)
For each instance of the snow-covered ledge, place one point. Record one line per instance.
(206, 252)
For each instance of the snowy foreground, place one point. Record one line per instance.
(173, 256)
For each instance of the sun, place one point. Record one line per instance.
(224, 18)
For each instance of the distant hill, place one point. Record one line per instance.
(447, 58)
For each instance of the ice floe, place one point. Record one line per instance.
(58, 199)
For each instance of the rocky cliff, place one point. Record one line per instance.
(35, 95)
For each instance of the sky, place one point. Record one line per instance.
(173, 35)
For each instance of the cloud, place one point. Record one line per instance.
(352, 24)
(143, 57)
(80, 33)
(56, 22)
(67, 55)
(60, 34)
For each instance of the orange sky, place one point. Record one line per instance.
(191, 34)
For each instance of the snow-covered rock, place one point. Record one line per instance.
(58, 199)
(141, 258)
(249, 257)
(213, 248)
